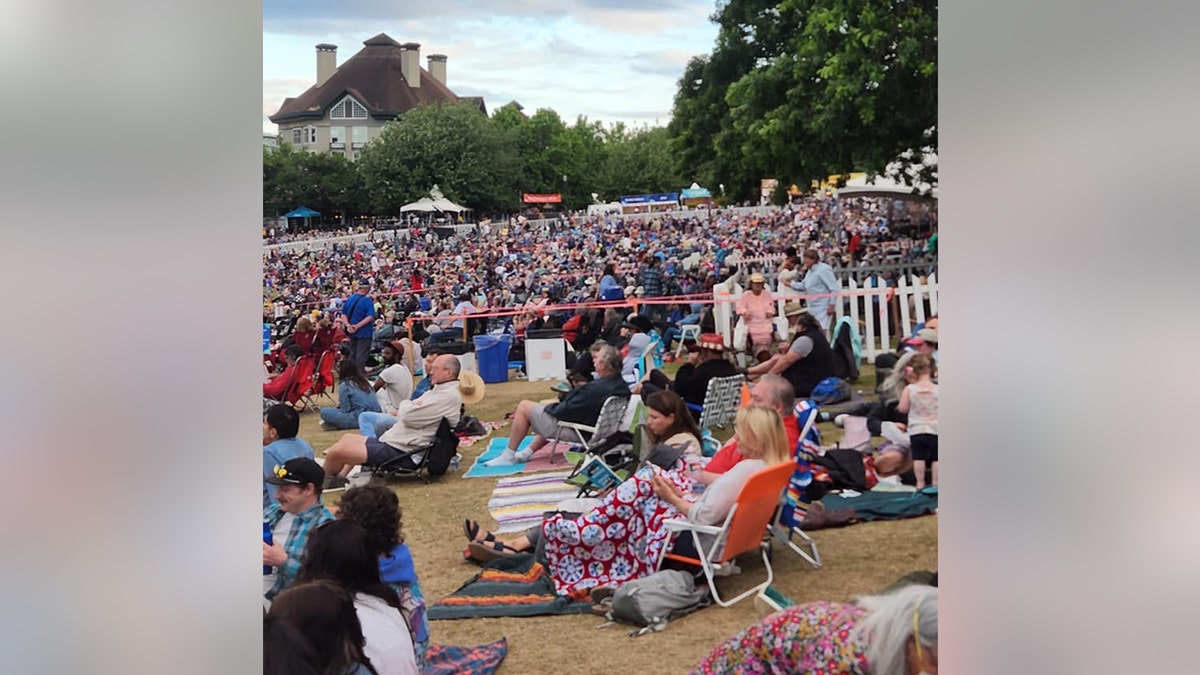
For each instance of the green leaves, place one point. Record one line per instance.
(817, 87)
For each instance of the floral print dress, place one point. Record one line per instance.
(620, 540)
(817, 638)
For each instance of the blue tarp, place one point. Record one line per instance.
(302, 212)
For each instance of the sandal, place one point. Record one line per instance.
(485, 553)
(471, 529)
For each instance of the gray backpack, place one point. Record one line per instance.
(652, 601)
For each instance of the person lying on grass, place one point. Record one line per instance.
(622, 537)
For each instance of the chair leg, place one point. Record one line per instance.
(745, 594)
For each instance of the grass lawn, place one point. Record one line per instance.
(859, 559)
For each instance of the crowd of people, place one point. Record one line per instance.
(341, 589)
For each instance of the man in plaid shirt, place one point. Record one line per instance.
(653, 284)
(296, 511)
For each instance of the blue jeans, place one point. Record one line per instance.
(373, 424)
(338, 418)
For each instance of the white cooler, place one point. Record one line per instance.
(545, 359)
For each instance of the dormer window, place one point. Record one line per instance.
(348, 109)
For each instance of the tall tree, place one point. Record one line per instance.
(853, 88)
(800, 89)
(452, 146)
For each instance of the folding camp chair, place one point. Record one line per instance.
(807, 548)
(300, 386)
(721, 401)
(445, 442)
(741, 532)
(323, 376)
(689, 330)
(608, 421)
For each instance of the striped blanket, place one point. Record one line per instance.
(518, 502)
(514, 585)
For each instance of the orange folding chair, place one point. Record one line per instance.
(743, 530)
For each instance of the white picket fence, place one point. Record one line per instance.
(869, 309)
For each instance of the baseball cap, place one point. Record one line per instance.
(298, 471)
(924, 335)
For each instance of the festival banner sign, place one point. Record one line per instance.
(531, 198)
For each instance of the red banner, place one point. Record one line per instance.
(530, 198)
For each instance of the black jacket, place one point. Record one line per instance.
(691, 382)
(582, 404)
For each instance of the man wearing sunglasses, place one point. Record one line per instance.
(296, 512)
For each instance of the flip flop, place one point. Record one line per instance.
(470, 528)
(484, 553)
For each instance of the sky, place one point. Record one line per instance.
(608, 60)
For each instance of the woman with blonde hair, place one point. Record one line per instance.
(623, 537)
(891, 634)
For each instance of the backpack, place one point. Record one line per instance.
(654, 600)
(831, 390)
(445, 445)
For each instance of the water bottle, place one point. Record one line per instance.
(269, 541)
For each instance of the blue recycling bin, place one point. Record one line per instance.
(491, 352)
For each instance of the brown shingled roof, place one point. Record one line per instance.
(373, 76)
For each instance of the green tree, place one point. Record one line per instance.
(806, 88)
(324, 182)
(452, 146)
(854, 88)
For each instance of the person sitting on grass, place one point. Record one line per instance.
(892, 634)
(354, 398)
(281, 423)
(295, 513)
(582, 404)
(323, 613)
(377, 509)
(338, 551)
(625, 532)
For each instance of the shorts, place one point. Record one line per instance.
(543, 423)
(380, 453)
(924, 447)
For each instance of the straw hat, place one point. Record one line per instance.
(470, 385)
(758, 278)
(793, 309)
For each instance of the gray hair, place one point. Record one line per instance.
(890, 625)
(781, 391)
(611, 357)
(455, 367)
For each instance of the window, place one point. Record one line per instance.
(310, 135)
(360, 136)
(348, 109)
(297, 136)
(337, 137)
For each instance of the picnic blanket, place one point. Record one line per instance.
(884, 505)
(518, 502)
(514, 585)
(449, 660)
(540, 461)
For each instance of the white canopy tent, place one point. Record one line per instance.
(436, 201)
(882, 186)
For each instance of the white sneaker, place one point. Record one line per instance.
(524, 455)
(506, 458)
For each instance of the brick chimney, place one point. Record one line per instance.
(326, 62)
(410, 64)
(437, 67)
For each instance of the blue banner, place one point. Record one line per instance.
(650, 199)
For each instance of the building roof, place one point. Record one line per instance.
(372, 76)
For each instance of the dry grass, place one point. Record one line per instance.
(857, 560)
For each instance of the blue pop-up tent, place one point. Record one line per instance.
(302, 212)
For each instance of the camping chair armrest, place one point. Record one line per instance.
(680, 524)
(693, 406)
(578, 426)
